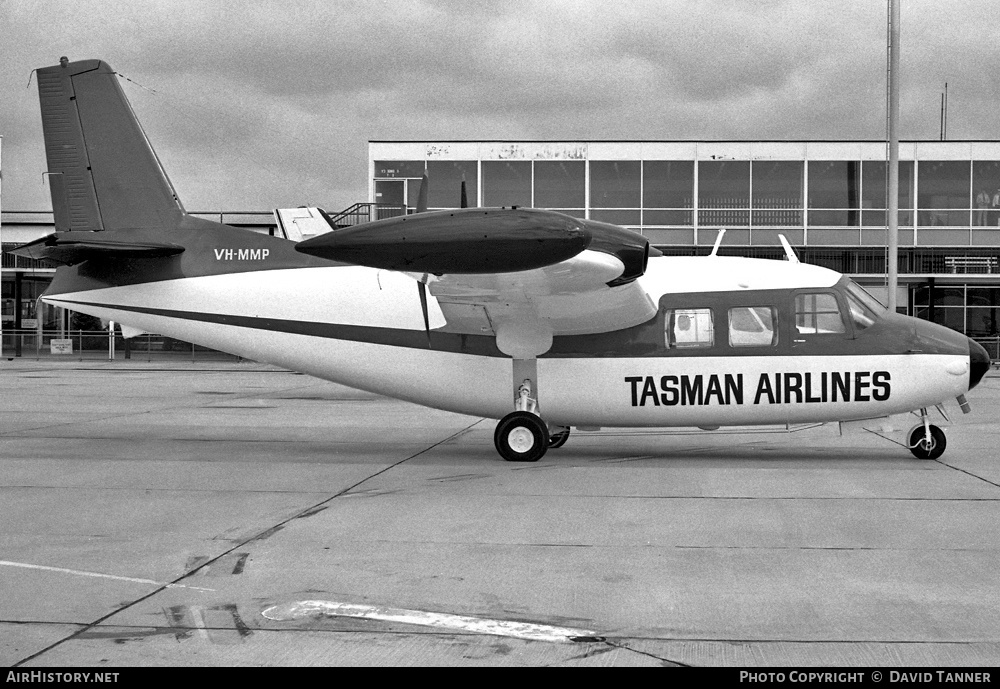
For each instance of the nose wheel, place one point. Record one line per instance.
(927, 443)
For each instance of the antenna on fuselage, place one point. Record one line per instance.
(789, 251)
(718, 242)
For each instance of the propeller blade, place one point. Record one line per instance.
(465, 198)
(422, 195)
(422, 288)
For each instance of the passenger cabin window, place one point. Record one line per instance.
(817, 314)
(752, 326)
(688, 328)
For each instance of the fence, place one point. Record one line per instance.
(92, 345)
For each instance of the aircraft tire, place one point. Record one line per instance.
(559, 439)
(919, 447)
(521, 437)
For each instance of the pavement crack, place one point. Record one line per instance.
(262, 534)
(968, 473)
(665, 661)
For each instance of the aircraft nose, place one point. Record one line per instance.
(979, 363)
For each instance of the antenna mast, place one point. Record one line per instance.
(944, 113)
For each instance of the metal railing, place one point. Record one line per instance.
(367, 212)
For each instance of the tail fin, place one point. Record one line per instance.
(104, 174)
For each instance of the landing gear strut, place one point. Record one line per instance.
(522, 436)
(926, 441)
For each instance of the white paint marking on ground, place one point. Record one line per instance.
(199, 621)
(80, 573)
(521, 630)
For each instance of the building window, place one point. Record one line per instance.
(969, 310)
(506, 183)
(615, 183)
(777, 193)
(874, 184)
(724, 193)
(986, 193)
(397, 183)
(983, 313)
(615, 191)
(943, 197)
(668, 192)
(444, 182)
(834, 193)
(560, 184)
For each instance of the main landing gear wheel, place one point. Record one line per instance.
(521, 437)
(919, 446)
(558, 439)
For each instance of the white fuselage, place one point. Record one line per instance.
(579, 390)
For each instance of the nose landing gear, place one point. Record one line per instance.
(926, 441)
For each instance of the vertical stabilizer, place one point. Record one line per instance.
(103, 173)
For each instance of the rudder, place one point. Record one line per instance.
(104, 174)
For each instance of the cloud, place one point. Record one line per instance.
(272, 103)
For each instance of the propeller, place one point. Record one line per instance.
(422, 284)
(422, 195)
(422, 288)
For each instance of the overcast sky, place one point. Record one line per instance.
(256, 105)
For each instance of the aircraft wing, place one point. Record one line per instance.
(487, 267)
(571, 296)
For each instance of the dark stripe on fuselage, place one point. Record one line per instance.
(891, 335)
(480, 345)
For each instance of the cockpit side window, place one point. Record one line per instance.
(684, 328)
(865, 309)
(817, 313)
(861, 315)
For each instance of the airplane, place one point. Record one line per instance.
(543, 321)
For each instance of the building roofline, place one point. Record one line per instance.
(675, 141)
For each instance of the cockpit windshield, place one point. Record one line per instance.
(865, 309)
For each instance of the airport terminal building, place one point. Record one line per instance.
(828, 198)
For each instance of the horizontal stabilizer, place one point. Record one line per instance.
(73, 247)
(464, 241)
